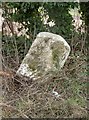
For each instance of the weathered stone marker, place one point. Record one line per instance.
(48, 52)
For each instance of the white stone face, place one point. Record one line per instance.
(48, 52)
(24, 68)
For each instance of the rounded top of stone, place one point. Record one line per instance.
(53, 36)
(47, 34)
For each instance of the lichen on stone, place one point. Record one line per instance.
(48, 52)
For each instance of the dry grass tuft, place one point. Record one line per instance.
(25, 98)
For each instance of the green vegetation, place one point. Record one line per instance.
(24, 97)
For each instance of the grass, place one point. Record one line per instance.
(25, 98)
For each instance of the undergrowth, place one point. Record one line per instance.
(23, 97)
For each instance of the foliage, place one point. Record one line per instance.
(9, 48)
(29, 15)
(23, 97)
(59, 13)
(84, 8)
(25, 13)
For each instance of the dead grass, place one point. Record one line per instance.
(25, 98)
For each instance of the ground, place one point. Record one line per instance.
(23, 97)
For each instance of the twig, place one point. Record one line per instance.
(77, 66)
